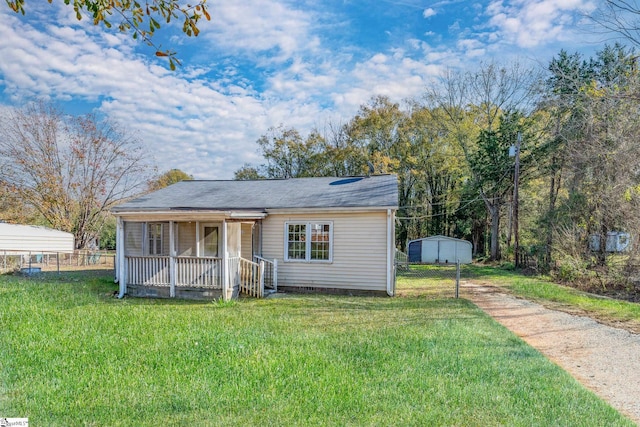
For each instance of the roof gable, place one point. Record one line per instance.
(296, 193)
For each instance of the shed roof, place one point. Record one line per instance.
(17, 237)
(294, 193)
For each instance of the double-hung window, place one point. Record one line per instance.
(309, 241)
(154, 237)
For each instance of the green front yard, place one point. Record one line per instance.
(71, 354)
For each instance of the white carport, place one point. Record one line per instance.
(20, 239)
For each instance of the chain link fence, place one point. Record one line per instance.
(32, 261)
(439, 280)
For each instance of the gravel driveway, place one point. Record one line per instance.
(603, 358)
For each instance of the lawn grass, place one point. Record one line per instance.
(542, 290)
(71, 354)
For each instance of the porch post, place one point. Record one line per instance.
(275, 274)
(198, 250)
(225, 263)
(120, 260)
(172, 261)
(391, 277)
(261, 279)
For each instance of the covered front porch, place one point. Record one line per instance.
(193, 257)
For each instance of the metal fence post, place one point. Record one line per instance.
(457, 278)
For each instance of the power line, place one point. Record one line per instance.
(440, 214)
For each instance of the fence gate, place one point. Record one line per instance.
(433, 259)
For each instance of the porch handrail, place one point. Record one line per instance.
(270, 272)
(251, 277)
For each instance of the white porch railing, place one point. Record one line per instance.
(199, 272)
(148, 270)
(195, 272)
(251, 277)
(270, 272)
(202, 272)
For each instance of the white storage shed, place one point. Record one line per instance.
(440, 250)
(616, 241)
(18, 239)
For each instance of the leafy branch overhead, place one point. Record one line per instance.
(143, 19)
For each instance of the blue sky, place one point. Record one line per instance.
(260, 63)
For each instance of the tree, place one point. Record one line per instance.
(604, 155)
(107, 239)
(568, 74)
(594, 103)
(343, 154)
(474, 104)
(71, 170)
(619, 16)
(247, 173)
(289, 155)
(142, 18)
(12, 210)
(169, 177)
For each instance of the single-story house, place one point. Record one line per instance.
(211, 239)
(25, 239)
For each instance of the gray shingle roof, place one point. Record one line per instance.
(325, 192)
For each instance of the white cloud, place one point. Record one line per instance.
(471, 48)
(428, 13)
(259, 63)
(530, 23)
(397, 76)
(185, 122)
(258, 26)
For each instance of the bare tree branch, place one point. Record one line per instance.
(72, 170)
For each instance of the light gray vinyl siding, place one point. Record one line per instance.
(165, 239)
(246, 246)
(359, 251)
(234, 239)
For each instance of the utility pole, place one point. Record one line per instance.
(516, 178)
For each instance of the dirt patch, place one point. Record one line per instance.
(603, 358)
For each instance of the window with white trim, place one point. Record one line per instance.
(154, 238)
(309, 241)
